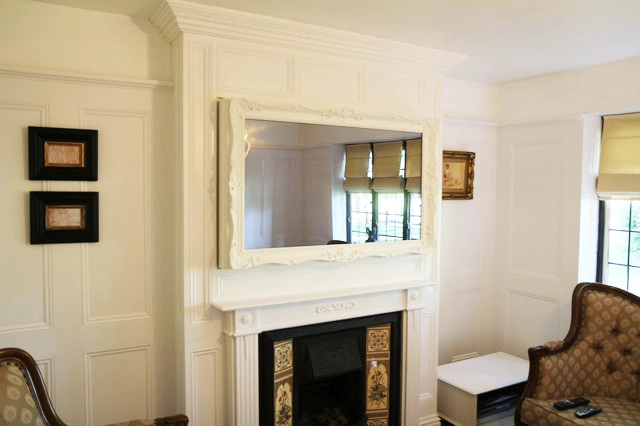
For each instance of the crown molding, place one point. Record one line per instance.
(176, 17)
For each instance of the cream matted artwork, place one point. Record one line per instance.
(64, 217)
(63, 154)
(457, 175)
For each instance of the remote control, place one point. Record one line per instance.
(570, 403)
(587, 411)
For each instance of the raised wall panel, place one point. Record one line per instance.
(432, 90)
(469, 321)
(198, 159)
(206, 371)
(117, 265)
(428, 370)
(330, 81)
(272, 184)
(524, 326)
(536, 182)
(47, 367)
(118, 385)
(468, 228)
(395, 90)
(254, 71)
(538, 241)
(25, 270)
(318, 199)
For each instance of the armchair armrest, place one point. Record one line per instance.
(177, 420)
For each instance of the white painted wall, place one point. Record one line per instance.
(547, 208)
(468, 226)
(98, 317)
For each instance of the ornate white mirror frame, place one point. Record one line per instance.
(231, 188)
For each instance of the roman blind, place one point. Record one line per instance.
(357, 168)
(619, 172)
(413, 166)
(387, 157)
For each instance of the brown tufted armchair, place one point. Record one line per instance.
(24, 399)
(599, 359)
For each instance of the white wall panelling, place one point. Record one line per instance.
(206, 365)
(538, 246)
(323, 79)
(31, 309)
(127, 368)
(98, 305)
(198, 157)
(468, 254)
(523, 309)
(196, 58)
(253, 71)
(535, 193)
(395, 90)
(117, 269)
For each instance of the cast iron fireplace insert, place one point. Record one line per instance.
(345, 372)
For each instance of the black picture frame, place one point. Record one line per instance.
(63, 154)
(64, 217)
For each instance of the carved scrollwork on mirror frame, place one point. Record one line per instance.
(233, 116)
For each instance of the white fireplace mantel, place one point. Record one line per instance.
(243, 326)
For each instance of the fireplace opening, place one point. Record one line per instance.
(342, 373)
(330, 379)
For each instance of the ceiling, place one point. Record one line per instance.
(505, 40)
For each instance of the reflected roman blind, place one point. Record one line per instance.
(619, 172)
(357, 168)
(387, 157)
(413, 166)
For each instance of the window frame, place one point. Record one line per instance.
(406, 215)
(602, 273)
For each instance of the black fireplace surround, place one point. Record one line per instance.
(346, 373)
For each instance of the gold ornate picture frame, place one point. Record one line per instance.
(457, 175)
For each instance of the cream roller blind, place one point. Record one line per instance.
(386, 166)
(619, 172)
(413, 166)
(357, 168)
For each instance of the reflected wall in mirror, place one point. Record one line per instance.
(297, 194)
(293, 176)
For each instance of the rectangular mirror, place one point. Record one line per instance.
(298, 184)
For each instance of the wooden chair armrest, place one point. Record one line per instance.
(177, 420)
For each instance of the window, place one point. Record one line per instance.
(619, 263)
(386, 212)
(618, 187)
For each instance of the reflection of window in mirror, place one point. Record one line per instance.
(382, 182)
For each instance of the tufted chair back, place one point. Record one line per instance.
(23, 397)
(601, 353)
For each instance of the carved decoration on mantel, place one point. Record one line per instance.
(335, 307)
(234, 112)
